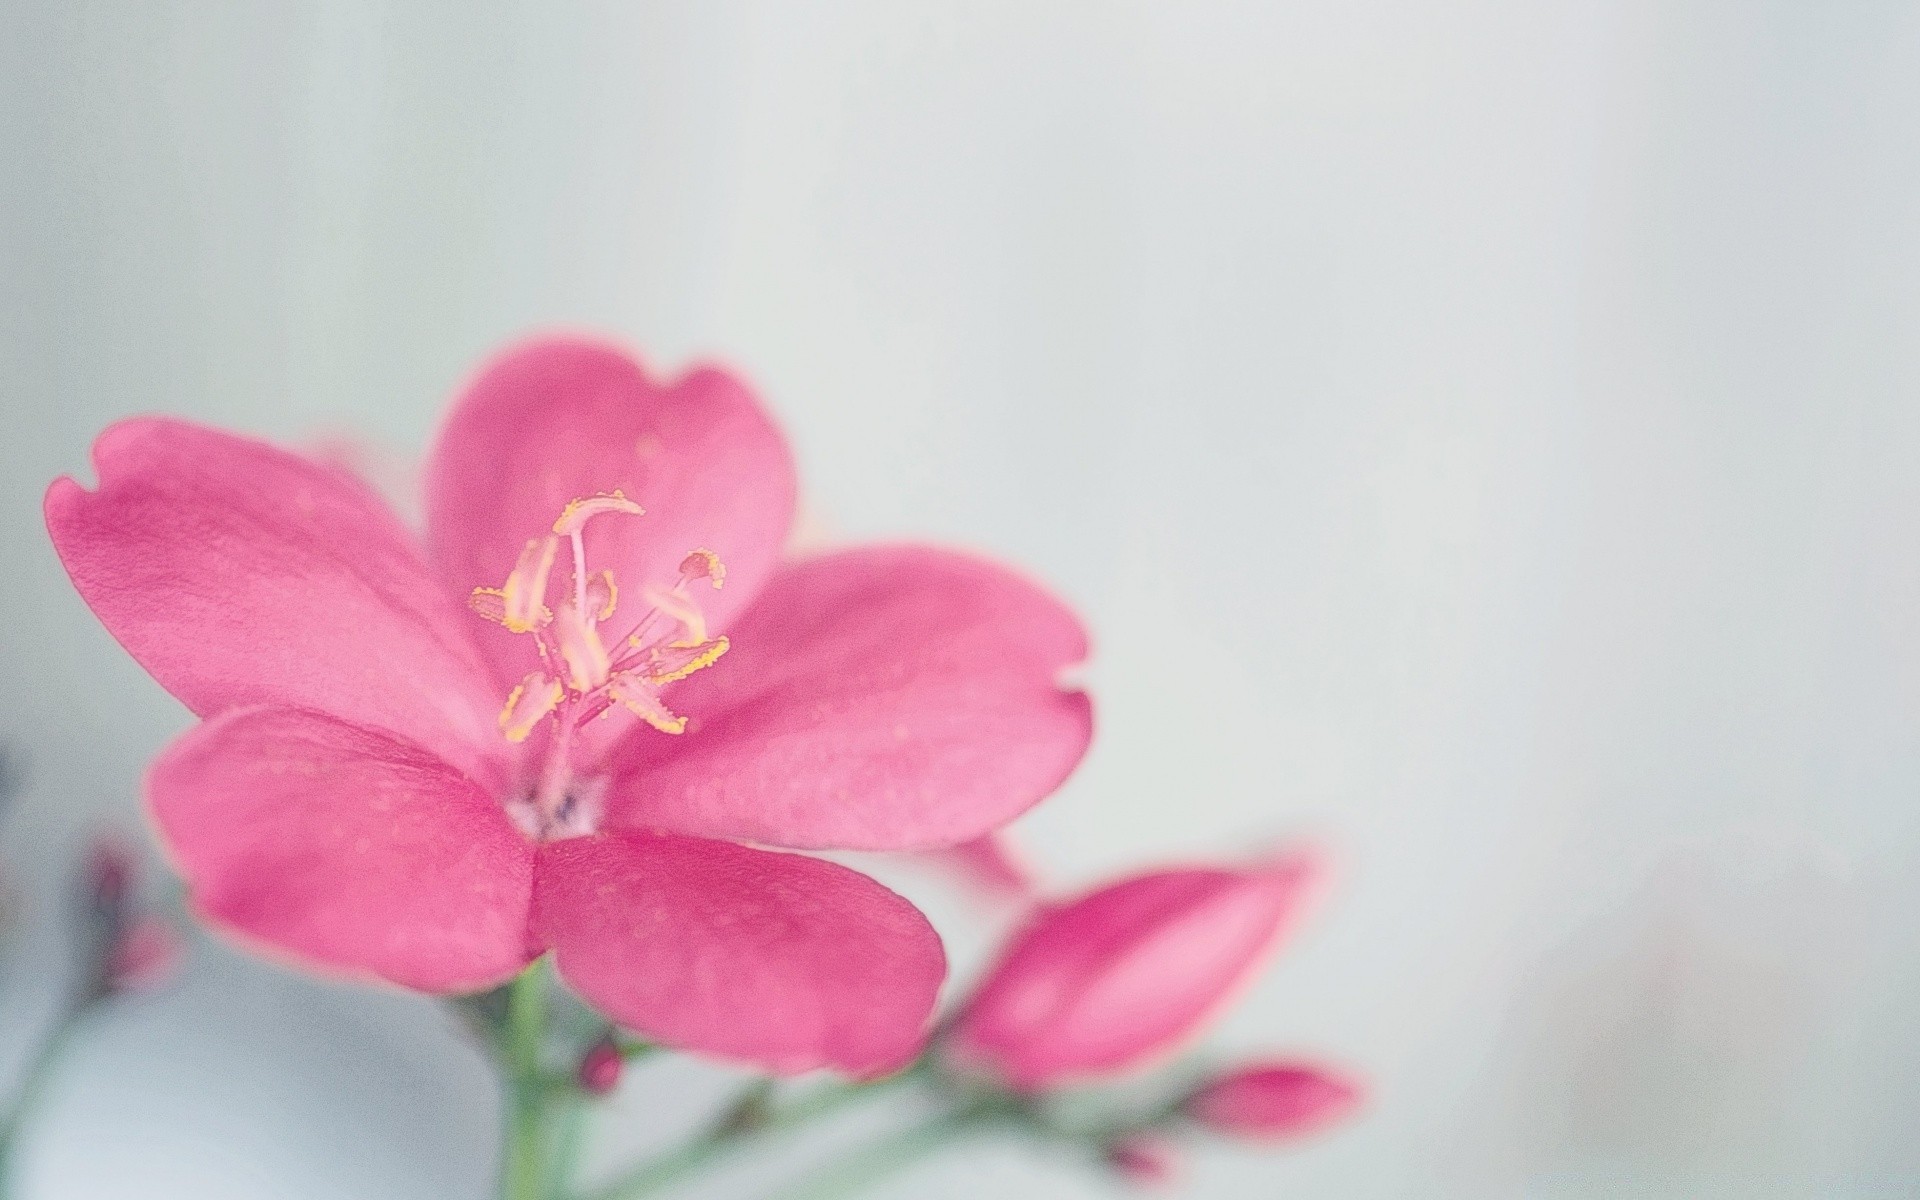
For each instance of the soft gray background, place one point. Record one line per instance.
(1482, 435)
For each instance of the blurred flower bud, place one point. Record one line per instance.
(110, 873)
(1272, 1101)
(600, 1067)
(1120, 976)
(1143, 1159)
(145, 955)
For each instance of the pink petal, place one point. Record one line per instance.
(1273, 1101)
(239, 574)
(561, 419)
(991, 865)
(889, 698)
(1121, 976)
(345, 848)
(784, 962)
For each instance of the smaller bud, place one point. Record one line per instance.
(146, 955)
(1272, 1101)
(109, 873)
(600, 1067)
(1143, 1159)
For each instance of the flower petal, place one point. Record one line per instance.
(778, 960)
(239, 574)
(562, 419)
(345, 848)
(888, 698)
(1122, 975)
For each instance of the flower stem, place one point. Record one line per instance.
(523, 1169)
(734, 1131)
(32, 1084)
(885, 1157)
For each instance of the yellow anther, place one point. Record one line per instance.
(523, 606)
(673, 662)
(529, 702)
(682, 610)
(602, 595)
(578, 512)
(640, 696)
(703, 564)
(586, 658)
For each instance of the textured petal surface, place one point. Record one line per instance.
(1115, 979)
(559, 419)
(344, 848)
(239, 574)
(1273, 1101)
(784, 962)
(888, 698)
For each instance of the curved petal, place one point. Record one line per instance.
(344, 848)
(778, 960)
(559, 419)
(239, 574)
(888, 698)
(1120, 976)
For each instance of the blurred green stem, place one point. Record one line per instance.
(751, 1116)
(40, 1067)
(889, 1155)
(523, 1166)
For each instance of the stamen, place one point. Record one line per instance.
(665, 664)
(703, 564)
(587, 660)
(602, 595)
(536, 696)
(582, 680)
(522, 607)
(639, 696)
(678, 608)
(578, 512)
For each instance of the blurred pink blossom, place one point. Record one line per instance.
(388, 786)
(1145, 1160)
(1273, 1101)
(1121, 976)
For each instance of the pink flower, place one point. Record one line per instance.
(1121, 976)
(551, 726)
(1273, 1101)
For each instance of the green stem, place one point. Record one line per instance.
(729, 1135)
(566, 1144)
(523, 1169)
(889, 1155)
(32, 1085)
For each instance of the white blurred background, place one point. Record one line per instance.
(1482, 435)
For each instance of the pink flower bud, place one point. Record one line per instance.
(1144, 1160)
(600, 1068)
(1272, 1101)
(1121, 976)
(146, 956)
(109, 871)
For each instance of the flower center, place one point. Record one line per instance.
(585, 675)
